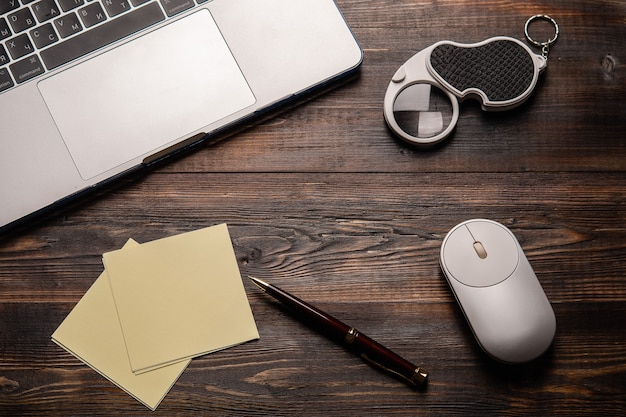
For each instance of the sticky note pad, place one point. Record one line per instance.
(92, 333)
(179, 297)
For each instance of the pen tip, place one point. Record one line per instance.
(259, 283)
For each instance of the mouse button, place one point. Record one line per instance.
(490, 262)
(499, 244)
(460, 258)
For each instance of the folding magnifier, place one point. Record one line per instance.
(422, 101)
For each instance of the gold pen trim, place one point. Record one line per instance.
(420, 376)
(351, 336)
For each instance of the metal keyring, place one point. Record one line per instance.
(543, 45)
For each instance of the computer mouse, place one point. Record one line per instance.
(498, 291)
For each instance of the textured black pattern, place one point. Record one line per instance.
(502, 69)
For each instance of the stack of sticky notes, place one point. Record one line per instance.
(156, 306)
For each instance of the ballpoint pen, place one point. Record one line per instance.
(371, 351)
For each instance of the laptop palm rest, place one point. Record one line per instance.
(171, 83)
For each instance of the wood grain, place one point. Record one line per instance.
(322, 201)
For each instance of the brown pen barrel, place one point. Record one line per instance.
(370, 350)
(312, 316)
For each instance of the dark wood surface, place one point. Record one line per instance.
(322, 201)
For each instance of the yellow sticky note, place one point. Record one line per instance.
(179, 297)
(92, 333)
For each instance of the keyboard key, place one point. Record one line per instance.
(19, 46)
(46, 10)
(21, 20)
(92, 14)
(176, 6)
(27, 68)
(8, 5)
(4, 57)
(138, 2)
(102, 35)
(44, 36)
(67, 5)
(5, 32)
(115, 7)
(68, 25)
(5, 79)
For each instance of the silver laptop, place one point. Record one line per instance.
(93, 89)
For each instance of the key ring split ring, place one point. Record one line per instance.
(546, 44)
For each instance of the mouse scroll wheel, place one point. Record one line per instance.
(480, 250)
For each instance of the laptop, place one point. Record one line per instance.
(91, 90)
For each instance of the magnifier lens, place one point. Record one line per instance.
(423, 111)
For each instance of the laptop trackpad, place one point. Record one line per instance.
(145, 94)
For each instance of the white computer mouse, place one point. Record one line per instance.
(498, 291)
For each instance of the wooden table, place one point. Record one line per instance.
(324, 202)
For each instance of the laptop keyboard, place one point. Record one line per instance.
(39, 35)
